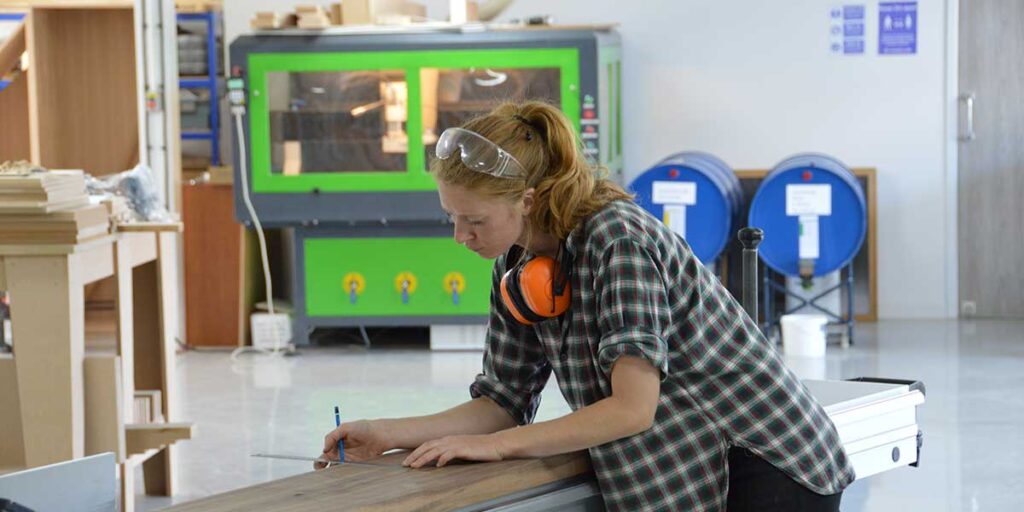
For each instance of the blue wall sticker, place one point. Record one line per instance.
(897, 28)
(846, 31)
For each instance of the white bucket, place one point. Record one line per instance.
(803, 335)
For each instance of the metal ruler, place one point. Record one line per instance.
(322, 460)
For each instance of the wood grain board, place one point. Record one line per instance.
(11, 49)
(83, 101)
(140, 437)
(14, 132)
(104, 418)
(392, 487)
(214, 268)
(12, 450)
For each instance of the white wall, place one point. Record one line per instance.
(753, 82)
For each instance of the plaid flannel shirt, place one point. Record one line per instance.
(637, 289)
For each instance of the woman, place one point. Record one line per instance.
(681, 402)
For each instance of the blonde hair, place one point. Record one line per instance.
(542, 139)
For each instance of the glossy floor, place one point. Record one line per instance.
(973, 420)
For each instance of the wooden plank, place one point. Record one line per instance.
(160, 476)
(214, 271)
(146, 327)
(147, 406)
(167, 281)
(127, 484)
(144, 436)
(22, 5)
(11, 49)
(14, 130)
(53, 249)
(151, 227)
(197, 5)
(155, 312)
(104, 410)
(40, 86)
(393, 488)
(83, 110)
(143, 247)
(97, 262)
(12, 449)
(48, 319)
(125, 321)
(156, 473)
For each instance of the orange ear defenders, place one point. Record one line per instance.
(537, 290)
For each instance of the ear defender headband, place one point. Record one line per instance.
(537, 290)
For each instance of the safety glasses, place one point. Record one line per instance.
(478, 153)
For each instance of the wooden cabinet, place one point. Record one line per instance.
(217, 293)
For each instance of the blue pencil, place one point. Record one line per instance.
(341, 444)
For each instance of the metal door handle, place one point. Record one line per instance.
(968, 99)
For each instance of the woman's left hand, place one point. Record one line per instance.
(482, 448)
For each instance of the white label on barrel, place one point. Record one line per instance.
(809, 244)
(808, 200)
(675, 192)
(675, 218)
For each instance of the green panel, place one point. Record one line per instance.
(380, 261)
(618, 108)
(416, 177)
(610, 58)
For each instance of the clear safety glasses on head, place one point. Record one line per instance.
(478, 153)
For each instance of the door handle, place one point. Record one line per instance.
(968, 101)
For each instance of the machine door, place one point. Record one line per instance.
(368, 122)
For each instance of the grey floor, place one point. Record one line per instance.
(973, 419)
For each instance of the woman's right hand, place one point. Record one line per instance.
(363, 440)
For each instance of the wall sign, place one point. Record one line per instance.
(846, 30)
(897, 28)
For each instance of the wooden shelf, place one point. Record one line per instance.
(83, 399)
(83, 103)
(140, 437)
(69, 4)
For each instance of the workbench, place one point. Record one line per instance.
(877, 423)
(63, 402)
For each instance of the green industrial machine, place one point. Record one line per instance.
(339, 130)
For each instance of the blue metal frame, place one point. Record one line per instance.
(210, 82)
(9, 16)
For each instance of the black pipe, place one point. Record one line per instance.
(750, 238)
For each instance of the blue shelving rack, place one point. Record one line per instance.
(208, 82)
(9, 16)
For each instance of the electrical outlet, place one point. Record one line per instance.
(968, 308)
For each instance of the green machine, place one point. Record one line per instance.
(338, 130)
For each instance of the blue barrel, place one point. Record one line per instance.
(840, 233)
(713, 209)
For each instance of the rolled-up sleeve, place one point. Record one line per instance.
(515, 368)
(633, 309)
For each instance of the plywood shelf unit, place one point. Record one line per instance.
(77, 105)
(83, 399)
